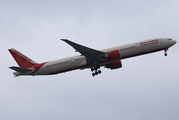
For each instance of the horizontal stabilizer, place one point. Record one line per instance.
(19, 69)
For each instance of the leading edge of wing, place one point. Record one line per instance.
(89, 53)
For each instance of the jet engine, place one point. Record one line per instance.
(113, 55)
(114, 65)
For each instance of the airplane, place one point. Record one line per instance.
(89, 58)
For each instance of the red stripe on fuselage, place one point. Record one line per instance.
(143, 53)
(90, 65)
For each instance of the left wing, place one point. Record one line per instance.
(89, 53)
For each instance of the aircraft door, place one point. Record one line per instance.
(160, 41)
(72, 60)
(137, 46)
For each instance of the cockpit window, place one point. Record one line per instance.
(169, 39)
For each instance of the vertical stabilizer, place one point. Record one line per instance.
(22, 60)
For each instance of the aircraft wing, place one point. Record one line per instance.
(89, 53)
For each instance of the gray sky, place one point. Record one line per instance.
(146, 88)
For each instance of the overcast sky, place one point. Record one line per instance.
(146, 88)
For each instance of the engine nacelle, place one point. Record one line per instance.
(114, 65)
(113, 55)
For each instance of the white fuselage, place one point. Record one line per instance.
(126, 51)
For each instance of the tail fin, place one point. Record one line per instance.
(22, 60)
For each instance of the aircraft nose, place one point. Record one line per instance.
(174, 42)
